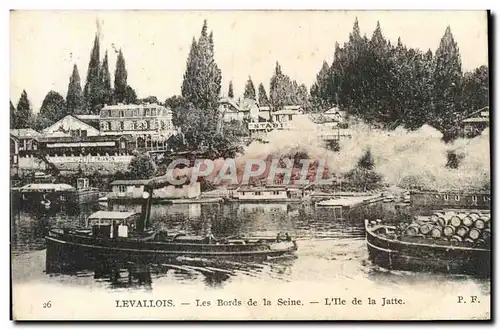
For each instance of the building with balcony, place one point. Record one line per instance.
(150, 124)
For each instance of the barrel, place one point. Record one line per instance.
(448, 231)
(479, 224)
(456, 238)
(442, 221)
(412, 230)
(462, 231)
(455, 221)
(435, 216)
(486, 234)
(467, 221)
(425, 228)
(474, 234)
(436, 232)
(469, 240)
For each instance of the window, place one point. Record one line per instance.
(83, 132)
(129, 113)
(122, 144)
(446, 197)
(121, 113)
(104, 126)
(146, 112)
(148, 124)
(457, 198)
(122, 189)
(122, 126)
(474, 198)
(134, 125)
(153, 112)
(109, 126)
(162, 123)
(289, 117)
(257, 193)
(136, 112)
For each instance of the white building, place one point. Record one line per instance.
(70, 126)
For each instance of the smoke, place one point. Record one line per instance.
(403, 158)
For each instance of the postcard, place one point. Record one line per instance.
(250, 165)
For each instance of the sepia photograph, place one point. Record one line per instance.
(250, 165)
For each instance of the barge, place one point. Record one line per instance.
(432, 245)
(127, 236)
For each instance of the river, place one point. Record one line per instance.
(331, 253)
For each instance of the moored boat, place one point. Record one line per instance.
(409, 249)
(127, 236)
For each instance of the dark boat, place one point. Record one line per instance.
(126, 236)
(392, 251)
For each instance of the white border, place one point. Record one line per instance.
(187, 4)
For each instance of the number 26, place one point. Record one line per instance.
(47, 304)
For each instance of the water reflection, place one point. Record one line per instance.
(331, 243)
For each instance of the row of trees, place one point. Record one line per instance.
(283, 91)
(96, 93)
(395, 85)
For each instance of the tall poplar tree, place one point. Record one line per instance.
(92, 89)
(202, 78)
(24, 112)
(249, 90)
(263, 100)
(53, 107)
(447, 78)
(106, 92)
(13, 116)
(74, 97)
(120, 79)
(230, 92)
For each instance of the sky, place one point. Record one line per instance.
(44, 45)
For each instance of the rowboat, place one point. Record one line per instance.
(127, 236)
(391, 250)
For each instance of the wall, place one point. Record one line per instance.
(449, 200)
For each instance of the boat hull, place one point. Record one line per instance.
(398, 255)
(70, 249)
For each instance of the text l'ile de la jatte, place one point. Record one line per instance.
(252, 302)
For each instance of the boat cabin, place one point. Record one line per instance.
(107, 224)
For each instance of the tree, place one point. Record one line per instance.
(150, 99)
(92, 90)
(263, 100)
(74, 97)
(130, 96)
(120, 79)
(230, 92)
(202, 78)
(53, 107)
(475, 89)
(13, 116)
(320, 90)
(107, 92)
(366, 161)
(24, 112)
(141, 167)
(249, 90)
(447, 78)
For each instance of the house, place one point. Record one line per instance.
(286, 115)
(335, 114)
(261, 193)
(249, 108)
(22, 142)
(70, 126)
(475, 123)
(150, 124)
(133, 190)
(229, 109)
(92, 120)
(265, 113)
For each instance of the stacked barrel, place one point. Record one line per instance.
(471, 227)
